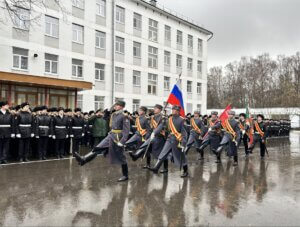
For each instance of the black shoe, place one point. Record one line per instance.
(21, 160)
(164, 171)
(123, 178)
(61, 156)
(25, 160)
(40, 159)
(4, 162)
(235, 163)
(185, 172)
(57, 157)
(44, 158)
(146, 166)
(262, 158)
(156, 167)
(132, 156)
(201, 158)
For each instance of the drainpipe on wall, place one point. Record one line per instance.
(113, 54)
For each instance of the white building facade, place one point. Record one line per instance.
(123, 49)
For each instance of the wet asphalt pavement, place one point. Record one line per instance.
(61, 193)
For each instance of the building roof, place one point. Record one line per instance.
(174, 15)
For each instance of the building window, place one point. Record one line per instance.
(153, 30)
(120, 46)
(101, 8)
(52, 26)
(21, 18)
(200, 46)
(190, 64)
(152, 57)
(189, 86)
(99, 72)
(100, 40)
(178, 61)
(179, 37)
(77, 33)
(152, 83)
(136, 50)
(20, 58)
(119, 75)
(79, 101)
(190, 41)
(136, 78)
(135, 104)
(137, 21)
(78, 3)
(51, 63)
(199, 107)
(77, 68)
(99, 102)
(199, 88)
(167, 58)
(167, 83)
(199, 66)
(120, 15)
(167, 33)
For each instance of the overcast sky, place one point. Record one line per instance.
(244, 27)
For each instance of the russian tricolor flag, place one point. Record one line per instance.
(175, 98)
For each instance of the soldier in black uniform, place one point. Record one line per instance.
(260, 135)
(77, 130)
(90, 130)
(175, 143)
(43, 131)
(24, 131)
(214, 135)
(113, 142)
(7, 130)
(230, 138)
(143, 132)
(244, 131)
(69, 114)
(198, 130)
(61, 131)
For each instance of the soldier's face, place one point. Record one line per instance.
(5, 107)
(156, 110)
(259, 119)
(26, 108)
(242, 118)
(141, 112)
(196, 116)
(118, 107)
(175, 112)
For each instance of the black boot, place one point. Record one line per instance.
(147, 166)
(218, 158)
(201, 156)
(185, 172)
(166, 164)
(124, 172)
(137, 155)
(156, 167)
(235, 158)
(87, 158)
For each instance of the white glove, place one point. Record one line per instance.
(71, 136)
(67, 136)
(32, 135)
(152, 136)
(247, 123)
(18, 135)
(209, 129)
(243, 132)
(120, 144)
(37, 137)
(236, 143)
(13, 135)
(50, 136)
(82, 134)
(53, 136)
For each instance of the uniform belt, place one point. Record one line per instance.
(76, 127)
(43, 126)
(60, 126)
(21, 125)
(5, 126)
(116, 131)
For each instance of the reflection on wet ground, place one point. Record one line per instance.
(63, 194)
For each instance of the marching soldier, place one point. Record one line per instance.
(61, 127)
(43, 131)
(69, 114)
(113, 142)
(175, 143)
(213, 136)
(7, 130)
(157, 139)
(77, 130)
(244, 130)
(260, 135)
(143, 132)
(25, 131)
(230, 138)
(197, 132)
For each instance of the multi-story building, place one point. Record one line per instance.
(104, 50)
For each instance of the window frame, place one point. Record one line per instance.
(179, 37)
(152, 83)
(138, 78)
(102, 39)
(178, 59)
(137, 21)
(120, 15)
(190, 64)
(99, 5)
(167, 80)
(167, 32)
(153, 30)
(189, 86)
(51, 24)
(119, 45)
(51, 65)
(74, 26)
(138, 49)
(77, 67)
(119, 75)
(100, 71)
(152, 57)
